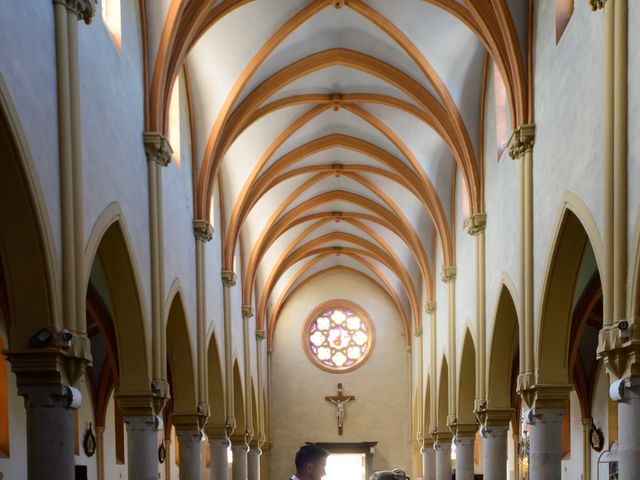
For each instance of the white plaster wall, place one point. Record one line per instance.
(381, 411)
(634, 126)
(502, 200)
(442, 313)
(569, 136)
(16, 465)
(112, 110)
(27, 66)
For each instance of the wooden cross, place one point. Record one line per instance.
(339, 401)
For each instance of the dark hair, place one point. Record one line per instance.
(309, 454)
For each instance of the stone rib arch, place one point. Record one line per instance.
(575, 228)
(288, 292)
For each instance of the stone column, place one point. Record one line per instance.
(219, 464)
(142, 446)
(240, 467)
(545, 444)
(587, 423)
(189, 445)
(464, 457)
(629, 430)
(100, 451)
(443, 459)
(229, 279)
(50, 437)
(254, 462)
(428, 461)
(495, 453)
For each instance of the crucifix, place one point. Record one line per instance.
(339, 401)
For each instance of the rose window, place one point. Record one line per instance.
(338, 338)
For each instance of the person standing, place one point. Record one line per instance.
(311, 461)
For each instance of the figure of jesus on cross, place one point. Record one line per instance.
(340, 401)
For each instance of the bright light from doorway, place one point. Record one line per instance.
(345, 466)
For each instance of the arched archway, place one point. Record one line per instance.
(239, 401)
(503, 352)
(574, 236)
(215, 427)
(114, 273)
(467, 382)
(180, 359)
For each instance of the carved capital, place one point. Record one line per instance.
(247, 311)
(138, 404)
(418, 331)
(521, 140)
(261, 334)
(229, 278)
(157, 148)
(476, 224)
(188, 422)
(202, 230)
(495, 417)
(84, 9)
(448, 274)
(430, 307)
(621, 355)
(544, 395)
(440, 436)
(597, 4)
(215, 431)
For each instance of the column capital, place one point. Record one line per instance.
(157, 148)
(50, 365)
(439, 436)
(139, 404)
(459, 429)
(418, 331)
(84, 9)
(597, 4)
(476, 224)
(521, 140)
(541, 395)
(146, 423)
(621, 354)
(495, 417)
(430, 307)
(203, 230)
(247, 311)
(239, 441)
(448, 274)
(229, 278)
(261, 334)
(188, 421)
(215, 431)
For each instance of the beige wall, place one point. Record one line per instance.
(381, 411)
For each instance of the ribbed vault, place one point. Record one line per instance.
(340, 130)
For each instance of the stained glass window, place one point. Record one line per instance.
(338, 338)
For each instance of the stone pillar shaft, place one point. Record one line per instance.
(142, 446)
(464, 458)
(239, 470)
(629, 431)
(189, 444)
(495, 453)
(219, 464)
(545, 444)
(443, 460)
(254, 464)
(428, 463)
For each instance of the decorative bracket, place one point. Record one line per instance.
(202, 230)
(521, 140)
(229, 278)
(597, 4)
(476, 224)
(448, 274)
(157, 148)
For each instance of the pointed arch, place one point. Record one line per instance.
(180, 357)
(239, 400)
(109, 246)
(215, 382)
(426, 409)
(576, 228)
(467, 381)
(502, 349)
(442, 405)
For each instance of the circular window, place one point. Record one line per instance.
(338, 336)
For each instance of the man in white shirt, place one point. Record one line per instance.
(311, 461)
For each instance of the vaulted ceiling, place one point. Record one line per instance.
(338, 128)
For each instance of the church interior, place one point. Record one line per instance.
(407, 231)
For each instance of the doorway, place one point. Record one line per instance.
(346, 466)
